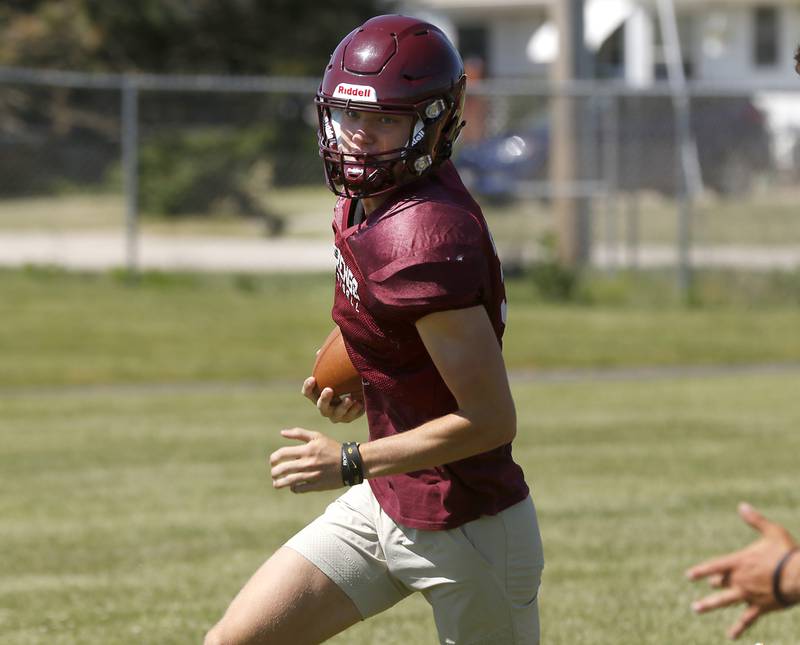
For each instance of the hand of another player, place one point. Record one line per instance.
(746, 575)
(338, 410)
(313, 465)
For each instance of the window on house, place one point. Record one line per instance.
(473, 43)
(609, 62)
(766, 36)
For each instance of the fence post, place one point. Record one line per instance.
(130, 169)
(610, 162)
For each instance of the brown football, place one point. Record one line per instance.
(334, 369)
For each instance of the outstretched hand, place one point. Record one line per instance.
(338, 410)
(745, 575)
(315, 464)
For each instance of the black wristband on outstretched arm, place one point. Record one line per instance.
(352, 466)
(783, 601)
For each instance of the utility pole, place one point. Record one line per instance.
(571, 207)
(687, 161)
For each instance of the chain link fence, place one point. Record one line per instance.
(142, 167)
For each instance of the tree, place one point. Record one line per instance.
(278, 37)
(288, 37)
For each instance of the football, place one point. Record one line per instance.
(334, 369)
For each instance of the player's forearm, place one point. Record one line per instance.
(439, 441)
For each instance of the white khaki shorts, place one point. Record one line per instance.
(481, 579)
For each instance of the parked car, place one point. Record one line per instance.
(497, 167)
(732, 142)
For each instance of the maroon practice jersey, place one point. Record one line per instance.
(426, 249)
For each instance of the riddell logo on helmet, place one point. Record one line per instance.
(356, 92)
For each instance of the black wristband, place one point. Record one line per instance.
(783, 601)
(352, 466)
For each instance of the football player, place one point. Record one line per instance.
(436, 504)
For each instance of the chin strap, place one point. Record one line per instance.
(377, 178)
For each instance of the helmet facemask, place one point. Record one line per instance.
(356, 174)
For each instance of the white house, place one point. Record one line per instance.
(748, 42)
(737, 40)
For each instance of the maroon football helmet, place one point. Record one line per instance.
(391, 65)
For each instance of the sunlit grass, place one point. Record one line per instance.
(134, 515)
(65, 329)
(136, 418)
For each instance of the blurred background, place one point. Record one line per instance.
(166, 278)
(123, 130)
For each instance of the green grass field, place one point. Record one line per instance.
(136, 421)
(60, 329)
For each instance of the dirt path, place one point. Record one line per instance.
(97, 251)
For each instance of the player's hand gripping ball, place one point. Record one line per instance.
(334, 369)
